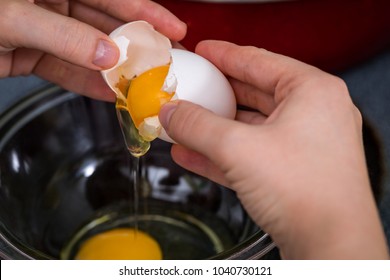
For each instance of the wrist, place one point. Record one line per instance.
(349, 229)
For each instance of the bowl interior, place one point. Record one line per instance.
(65, 174)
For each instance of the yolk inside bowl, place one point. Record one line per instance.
(120, 244)
(145, 95)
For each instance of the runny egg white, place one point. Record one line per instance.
(150, 73)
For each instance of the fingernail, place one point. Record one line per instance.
(166, 113)
(106, 54)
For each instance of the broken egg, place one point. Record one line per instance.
(150, 73)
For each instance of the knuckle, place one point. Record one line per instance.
(104, 6)
(185, 118)
(358, 116)
(11, 10)
(69, 38)
(196, 127)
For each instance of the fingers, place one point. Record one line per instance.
(250, 96)
(198, 164)
(64, 37)
(94, 17)
(22, 61)
(246, 64)
(74, 78)
(6, 64)
(130, 10)
(58, 6)
(271, 73)
(202, 131)
(249, 117)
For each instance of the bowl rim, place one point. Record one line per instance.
(253, 247)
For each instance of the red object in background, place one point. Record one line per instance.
(330, 34)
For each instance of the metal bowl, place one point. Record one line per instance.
(65, 174)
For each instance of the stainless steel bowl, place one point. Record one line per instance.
(64, 166)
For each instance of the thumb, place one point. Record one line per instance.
(199, 129)
(62, 36)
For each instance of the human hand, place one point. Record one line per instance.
(65, 42)
(295, 159)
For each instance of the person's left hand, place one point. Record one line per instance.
(65, 42)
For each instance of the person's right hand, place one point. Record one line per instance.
(66, 42)
(295, 159)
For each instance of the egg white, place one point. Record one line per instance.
(190, 77)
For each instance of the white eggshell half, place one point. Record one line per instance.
(141, 48)
(200, 82)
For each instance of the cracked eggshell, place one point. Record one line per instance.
(191, 77)
(200, 82)
(141, 48)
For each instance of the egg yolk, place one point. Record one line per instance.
(145, 95)
(120, 244)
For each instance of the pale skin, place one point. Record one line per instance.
(296, 159)
(66, 42)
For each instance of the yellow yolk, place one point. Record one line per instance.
(120, 244)
(145, 95)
